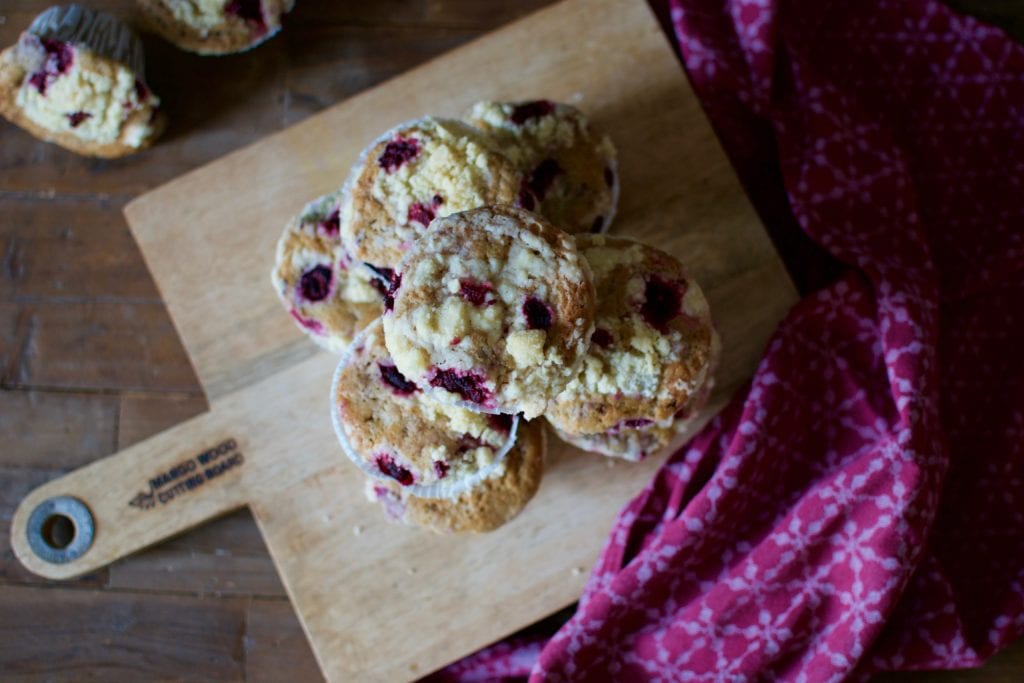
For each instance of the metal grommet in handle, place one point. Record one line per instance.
(60, 529)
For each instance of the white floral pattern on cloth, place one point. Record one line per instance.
(862, 507)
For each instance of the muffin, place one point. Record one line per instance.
(635, 439)
(568, 166)
(414, 173)
(214, 27)
(393, 431)
(491, 309)
(485, 507)
(75, 78)
(313, 276)
(652, 353)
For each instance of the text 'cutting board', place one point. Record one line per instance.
(360, 585)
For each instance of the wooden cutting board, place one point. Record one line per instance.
(383, 601)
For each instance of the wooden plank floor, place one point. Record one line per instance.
(89, 360)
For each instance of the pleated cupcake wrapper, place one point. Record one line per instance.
(99, 32)
(450, 488)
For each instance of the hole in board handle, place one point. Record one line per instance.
(60, 529)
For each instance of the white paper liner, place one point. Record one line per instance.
(100, 32)
(450, 488)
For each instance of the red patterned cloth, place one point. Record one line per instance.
(861, 507)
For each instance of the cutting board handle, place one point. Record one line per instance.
(132, 499)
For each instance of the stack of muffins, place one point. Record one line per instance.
(462, 274)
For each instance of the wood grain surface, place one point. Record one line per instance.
(358, 583)
(90, 362)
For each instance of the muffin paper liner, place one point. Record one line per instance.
(100, 32)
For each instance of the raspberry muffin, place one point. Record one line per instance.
(416, 172)
(569, 170)
(651, 357)
(75, 78)
(214, 27)
(328, 299)
(634, 440)
(394, 432)
(491, 309)
(485, 507)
